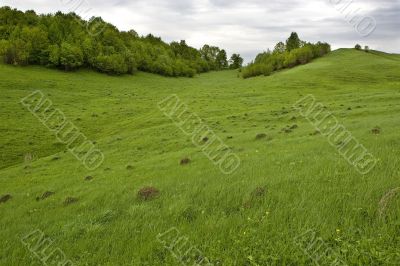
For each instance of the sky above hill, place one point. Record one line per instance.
(246, 27)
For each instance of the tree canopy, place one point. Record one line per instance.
(294, 53)
(67, 42)
(236, 61)
(293, 42)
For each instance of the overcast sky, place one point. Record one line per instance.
(245, 27)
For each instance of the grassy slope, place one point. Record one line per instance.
(309, 185)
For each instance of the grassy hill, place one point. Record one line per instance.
(308, 185)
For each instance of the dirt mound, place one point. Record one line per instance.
(259, 192)
(376, 130)
(185, 161)
(70, 200)
(89, 178)
(261, 136)
(45, 195)
(5, 198)
(148, 193)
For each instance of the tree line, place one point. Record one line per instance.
(285, 55)
(62, 41)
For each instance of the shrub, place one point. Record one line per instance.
(3, 47)
(16, 53)
(111, 64)
(71, 56)
(290, 59)
(257, 70)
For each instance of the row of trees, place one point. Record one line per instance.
(285, 55)
(63, 41)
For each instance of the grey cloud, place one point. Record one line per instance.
(247, 27)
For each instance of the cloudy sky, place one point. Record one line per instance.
(244, 26)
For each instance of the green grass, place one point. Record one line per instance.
(309, 185)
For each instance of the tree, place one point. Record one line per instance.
(366, 48)
(209, 54)
(17, 53)
(38, 43)
(280, 48)
(293, 42)
(236, 61)
(222, 61)
(3, 47)
(54, 55)
(357, 47)
(130, 62)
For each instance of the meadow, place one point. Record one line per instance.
(288, 182)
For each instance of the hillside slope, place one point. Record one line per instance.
(308, 185)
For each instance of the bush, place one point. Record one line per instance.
(303, 55)
(257, 70)
(71, 56)
(54, 55)
(17, 53)
(290, 59)
(111, 64)
(3, 47)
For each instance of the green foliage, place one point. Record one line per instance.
(71, 56)
(17, 53)
(222, 60)
(285, 56)
(280, 48)
(211, 54)
(111, 64)
(257, 70)
(67, 42)
(38, 43)
(3, 46)
(358, 47)
(293, 42)
(54, 55)
(236, 61)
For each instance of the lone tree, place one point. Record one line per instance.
(366, 49)
(236, 61)
(293, 42)
(357, 47)
(222, 61)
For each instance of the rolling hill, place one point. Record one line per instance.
(290, 179)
